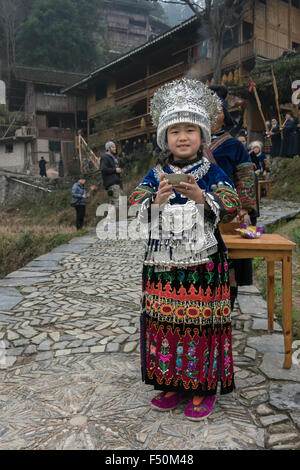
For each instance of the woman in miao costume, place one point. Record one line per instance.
(186, 343)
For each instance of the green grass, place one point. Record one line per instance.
(16, 250)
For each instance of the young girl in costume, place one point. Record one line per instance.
(186, 344)
(259, 158)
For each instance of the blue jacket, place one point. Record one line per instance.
(78, 191)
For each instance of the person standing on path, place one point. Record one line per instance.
(111, 173)
(79, 192)
(186, 346)
(42, 165)
(61, 168)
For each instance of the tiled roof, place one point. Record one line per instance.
(49, 77)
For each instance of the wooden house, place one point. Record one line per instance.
(268, 28)
(128, 24)
(52, 118)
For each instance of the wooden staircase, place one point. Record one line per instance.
(88, 159)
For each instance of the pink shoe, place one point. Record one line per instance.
(163, 403)
(201, 411)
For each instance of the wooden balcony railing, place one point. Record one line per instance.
(153, 80)
(56, 133)
(166, 75)
(138, 122)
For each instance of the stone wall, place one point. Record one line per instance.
(14, 161)
(12, 191)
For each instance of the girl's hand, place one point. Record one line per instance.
(165, 189)
(191, 190)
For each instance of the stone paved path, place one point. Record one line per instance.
(70, 370)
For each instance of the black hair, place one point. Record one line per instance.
(220, 90)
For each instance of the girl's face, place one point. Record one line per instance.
(184, 140)
(256, 150)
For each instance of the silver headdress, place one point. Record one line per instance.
(184, 100)
(256, 143)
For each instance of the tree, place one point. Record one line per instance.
(10, 121)
(12, 14)
(59, 34)
(218, 20)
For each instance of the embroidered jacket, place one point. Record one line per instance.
(220, 195)
(212, 179)
(231, 155)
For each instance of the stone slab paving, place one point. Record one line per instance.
(272, 212)
(70, 367)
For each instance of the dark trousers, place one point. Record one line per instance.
(80, 213)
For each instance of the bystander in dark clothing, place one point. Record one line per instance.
(275, 139)
(111, 173)
(79, 191)
(42, 165)
(61, 168)
(289, 140)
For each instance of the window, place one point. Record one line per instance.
(92, 124)
(67, 122)
(247, 31)
(231, 37)
(60, 121)
(55, 146)
(9, 148)
(101, 91)
(140, 24)
(296, 46)
(53, 120)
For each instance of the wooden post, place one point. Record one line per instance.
(287, 309)
(79, 151)
(270, 293)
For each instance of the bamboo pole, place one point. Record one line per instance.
(259, 104)
(276, 97)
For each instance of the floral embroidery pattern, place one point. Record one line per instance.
(215, 361)
(164, 356)
(227, 357)
(179, 352)
(209, 275)
(152, 350)
(192, 361)
(205, 368)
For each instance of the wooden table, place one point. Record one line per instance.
(271, 247)
(268, 184)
